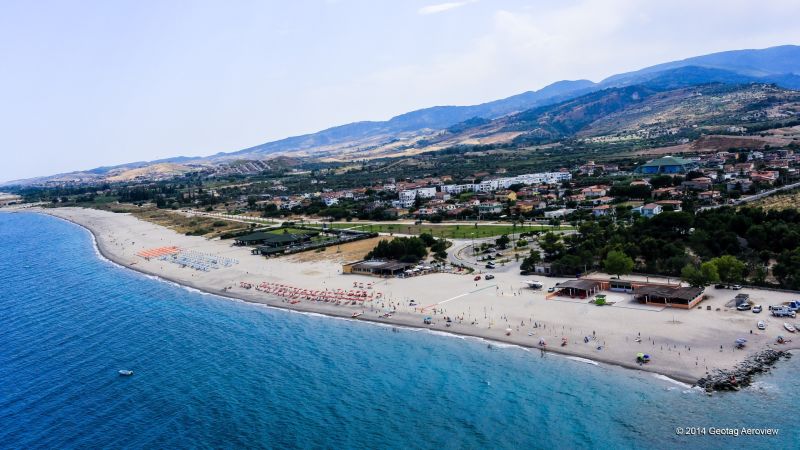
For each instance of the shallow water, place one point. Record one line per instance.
(211, 372)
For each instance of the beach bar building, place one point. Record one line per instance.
(376, 268)
(580, 288)
(674, 296)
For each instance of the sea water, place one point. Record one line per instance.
(211, 372)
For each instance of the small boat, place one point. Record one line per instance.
(789, 327)
(542, 342)
(356, 315)
(508, 331)
(563, 341)
(125, 372)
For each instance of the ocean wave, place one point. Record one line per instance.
(583, 360)
(671, 380)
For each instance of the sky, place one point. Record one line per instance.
(93, 83)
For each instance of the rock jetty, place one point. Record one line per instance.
(741, 375)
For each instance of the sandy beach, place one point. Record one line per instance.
(684, 344)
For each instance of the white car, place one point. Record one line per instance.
(762, 325)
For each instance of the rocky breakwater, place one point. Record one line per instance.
(741, 375)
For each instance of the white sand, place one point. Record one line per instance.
(683, 344)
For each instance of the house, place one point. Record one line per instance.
(666, 192)
(490, 208)
(767, 177)
(708, 196)
(697, 184)
(504, 195)
(742, 184)
(558, 213)
(525, 206)
(743, 168)
(649, 210)
(594, 191)
(670, 205)
(602, 200)
(602, 210)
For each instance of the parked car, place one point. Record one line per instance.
(736, 287)
(489, 276)
(551, 289)
(490, 266)
(720, 286)
(794, 305)
(744, 307)
(757, 309)
(761, 325)
(784, 312)
(477, 278)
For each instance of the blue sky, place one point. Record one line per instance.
(91, 83)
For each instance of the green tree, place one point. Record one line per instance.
(550, 243)
(700, 276)
(618, 263)
(529, 263)
(729, 268)
(502, 241)
(787, 269)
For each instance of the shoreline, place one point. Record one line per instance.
(576, 357)
(400, 319)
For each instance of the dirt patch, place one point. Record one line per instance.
(352, 251)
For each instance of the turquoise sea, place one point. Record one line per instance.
(215, 373)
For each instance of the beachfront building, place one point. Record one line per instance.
(381, 268)
(667, 165)
(273, 240)
(673, 296)
(580, 288)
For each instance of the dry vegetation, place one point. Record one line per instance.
(352, 251)
(200, 226)
(779, 201)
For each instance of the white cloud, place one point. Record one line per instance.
(442, 7)
(527, 48)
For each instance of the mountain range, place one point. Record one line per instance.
(521, 114)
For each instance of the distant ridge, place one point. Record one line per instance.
(775, 65)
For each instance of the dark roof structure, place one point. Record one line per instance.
(582, 285)
(678, 293)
